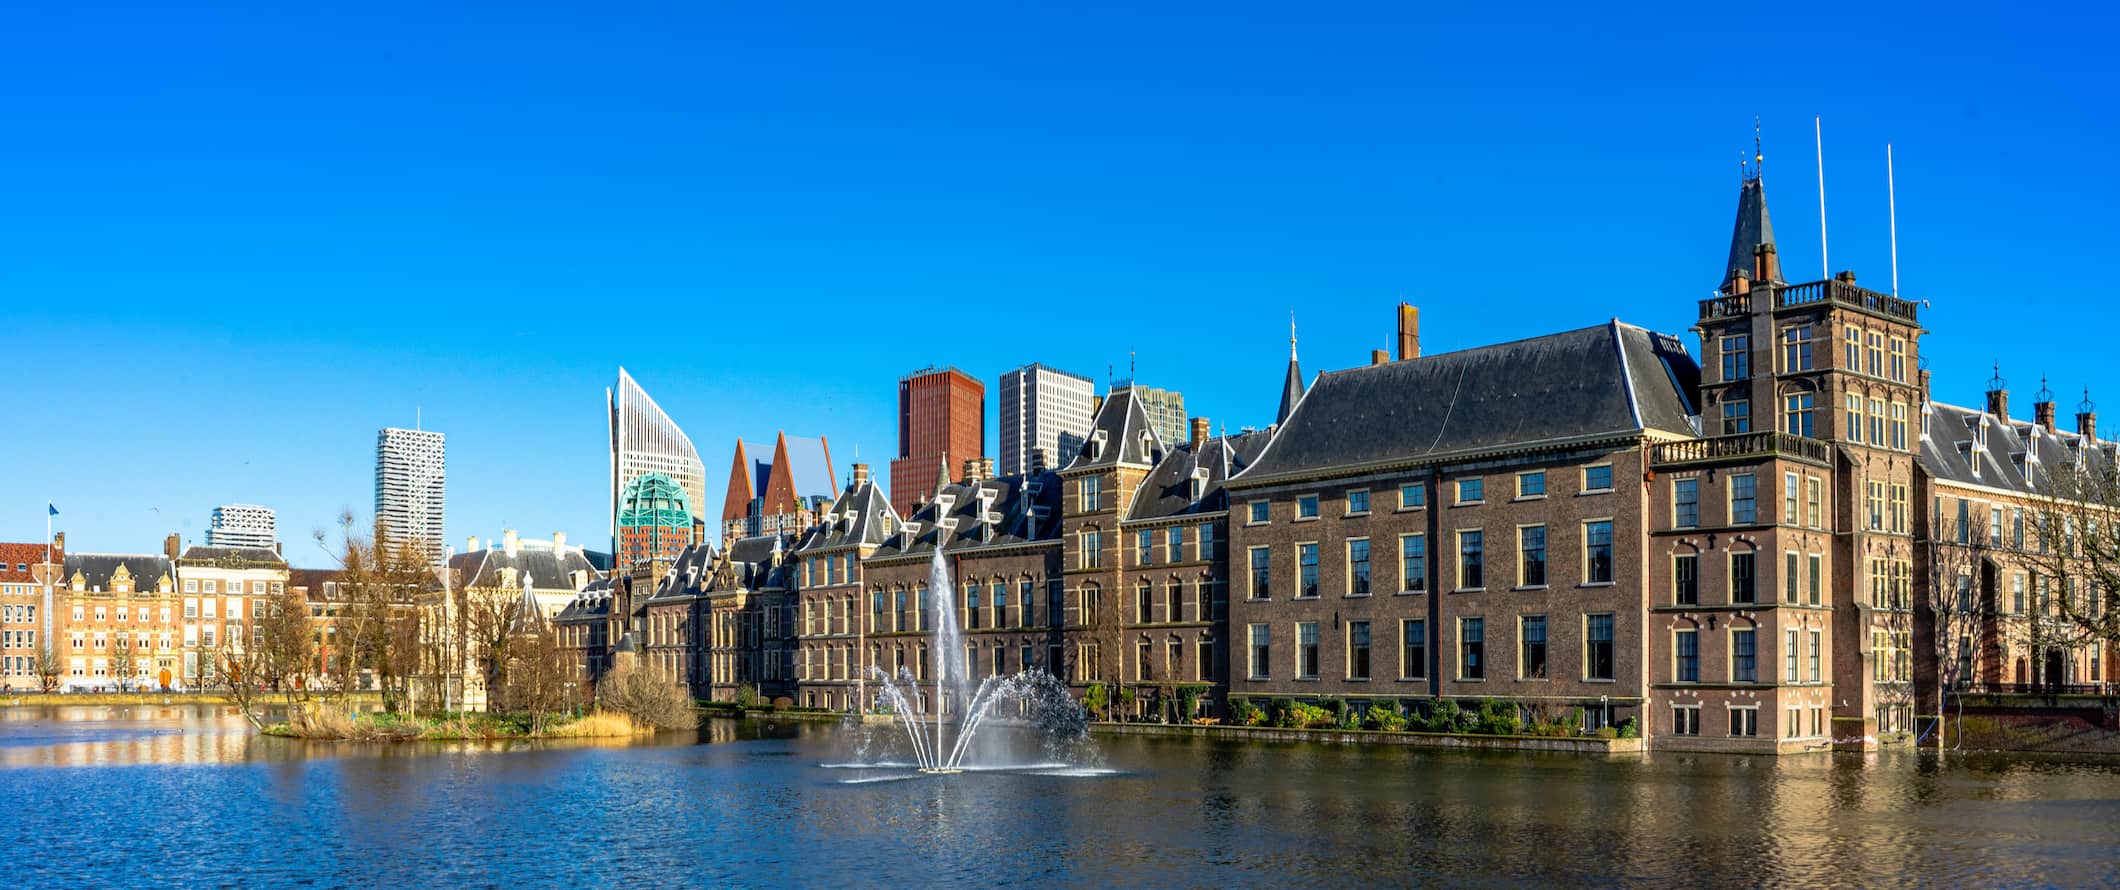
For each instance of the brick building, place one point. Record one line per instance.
(941, 423)
(830, 664)
(24, 610)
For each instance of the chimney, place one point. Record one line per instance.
(986, 467)
(471, 544)
(2087, 416)
(971, 471)
(1378, 356)
(1766, 264)
(1409, 331)
(559, 542)
(1038, 460)
(861, 475)
(1998, 396)
(172, 545)
(2043, 406)
(508, 541)
(58, 543)
(1199, 433)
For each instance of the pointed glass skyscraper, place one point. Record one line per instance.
(645, 440)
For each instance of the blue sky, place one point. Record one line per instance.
(238, 240)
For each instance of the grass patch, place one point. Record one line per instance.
(333, 724)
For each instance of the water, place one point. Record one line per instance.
(184, 796)
(1031, 700)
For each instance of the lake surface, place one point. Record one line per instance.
(184, 796)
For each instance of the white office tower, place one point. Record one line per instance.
(408, 487)
(242, 525)
(645, 440)
(1044, 408)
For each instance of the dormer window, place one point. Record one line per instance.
(1096, 445)
(1198, 486)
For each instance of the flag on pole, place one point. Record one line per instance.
(52, 507)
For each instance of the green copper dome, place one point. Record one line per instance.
(654, 499)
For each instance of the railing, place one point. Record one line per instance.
(1770, 443)
(1845, 294)
(1810, 293)
(2040, 688)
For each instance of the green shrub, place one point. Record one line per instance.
(1303, 715)
(1095, 700)
(1498, 717)
(1627, 729)
(1385, 718)
(1188, 703)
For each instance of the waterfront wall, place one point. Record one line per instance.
(1571, 745)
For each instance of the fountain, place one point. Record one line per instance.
(1035, 695)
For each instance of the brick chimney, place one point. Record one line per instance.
(1766, 263)
(2043, 406)
(2087, 416)
(1409, 331)
(58, 543)
(1199, 433)
(971, 471)
(1998, 396)
(559, 542)
(172, 546)
(1039, 462)
(1378, 356)
(471, 544)
(861, 475)
(509, 541)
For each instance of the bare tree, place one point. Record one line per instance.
(2078, 552)
(49, 669)
(1955, 608)
(489, 618)
(540, 674)
(380, 580)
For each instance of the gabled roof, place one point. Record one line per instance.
(1606, 381)
(96, 569)
(546, 568)
(988, 513)
(860, 517)
(320, 584)
(1168, 489)
(1972, 447)
(1120, 434)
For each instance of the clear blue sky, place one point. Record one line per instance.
(236, 241)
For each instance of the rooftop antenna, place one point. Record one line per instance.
(1819, 140)
(1291, 335)
(1891, 198)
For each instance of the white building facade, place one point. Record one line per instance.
(1043, 408)
(410, 480)
(242, 525)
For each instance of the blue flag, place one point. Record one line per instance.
(52, 507)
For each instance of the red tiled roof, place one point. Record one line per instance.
(27, 556)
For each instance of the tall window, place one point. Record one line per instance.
(1206, 537)
(1531, 556)
(1688, 650)
(1899, 425)
(1853, 429)
(1472, 649)
(1875, 502)
(1790, 484)
(1796, 414)
(1092, 492)
(1307, 650)
(1413, 562)
(1685, 503)
(971, 606)
(1789, 656)
(1358, 567)
(1307, 570)
(1744, 663)
(1876, 352)
(1413, 649)
(1813, 655)
(1533, 648)
(1796, 348)
(1092, 548)
(1817, 563)
(1877, 436)
(1814, 501)
(1174, 544)
(1357, 650)
(1471, 560)
(1144, 602)
(1597, 647)
(1736, 416)
(1744, 577)
(1261, 574)
(1412, 495)
(1597, 551)
(1736, 358)
(1685, 579)
(1791, 590)
(1144, 547)
(1899, 359)
(1261, 652)
(1744, 499)
(1852, 355)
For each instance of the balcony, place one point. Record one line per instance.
(1740, 447)
(1830, 291)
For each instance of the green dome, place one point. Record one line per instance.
(654, 499)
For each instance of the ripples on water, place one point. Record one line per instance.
(187, 796)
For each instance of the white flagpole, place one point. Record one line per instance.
(1892, 202)
(1819, 141)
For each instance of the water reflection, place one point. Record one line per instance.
(748, 802)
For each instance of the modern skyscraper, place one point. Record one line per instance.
(242, 525)
(645, 440)
(1045, 408)
(408, 487)
(1165, 409)
(941, 421)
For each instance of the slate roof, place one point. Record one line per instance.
(1291, 389)
(547, 569)
(1121, 433)
(1168, 489)
(320, 583)
(751, 564)
(1752, 229)
(593, 601)
(1605, 381)
(202, 554)
(96, 569)
(988, 513)
(2017, 455)
(860, 517)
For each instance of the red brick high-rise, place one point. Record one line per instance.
(941, 421)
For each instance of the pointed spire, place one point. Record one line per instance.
(1752, 252)
(1292, 387)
